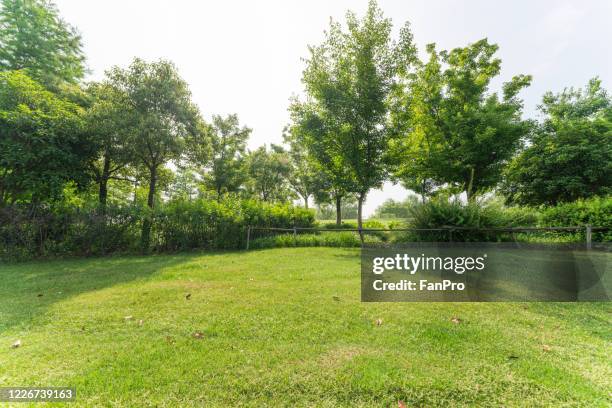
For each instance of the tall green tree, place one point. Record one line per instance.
(349, 78)
(42, 143)
(226, 171)
(451, 131)
(165, 122)
(269, 170)
(569, 156)
(311, 131)
(108, 120)
(34, 37)
(303, 175)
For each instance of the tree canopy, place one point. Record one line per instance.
(348, 79)
(451, 131)
(42, 141)
(568, 156)
(33, 37)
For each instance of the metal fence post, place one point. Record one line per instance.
(248, 237)
(589, 236)
(294, 236)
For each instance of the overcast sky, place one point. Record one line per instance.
(244, 57)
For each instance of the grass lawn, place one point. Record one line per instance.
(285, 327)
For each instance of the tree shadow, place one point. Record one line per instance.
(28, 289)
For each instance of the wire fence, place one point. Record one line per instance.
(262, 237)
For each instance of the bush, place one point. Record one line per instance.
(596, 211)
(331, 239)
(178, 225)
(441, 213)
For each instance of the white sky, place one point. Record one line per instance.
(245, 56)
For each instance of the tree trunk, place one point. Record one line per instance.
(470, 186)
(146, 223)
(338, 210)
(359, 215)
(103, 191)
(306, 202)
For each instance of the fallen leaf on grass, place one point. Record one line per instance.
(401, 404)
(188, 296)
(16, 344)
(198, 335)
(379, 322)
(546, 347)
(128, 317)
(456, 320)
(140, 322)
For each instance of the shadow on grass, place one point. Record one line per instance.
(28, 289)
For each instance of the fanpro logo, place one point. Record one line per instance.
(412, 264)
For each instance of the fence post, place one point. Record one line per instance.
(248, 237)
(589, 236)
(294, 236)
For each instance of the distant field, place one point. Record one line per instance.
(285, 327)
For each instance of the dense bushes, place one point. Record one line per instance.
(58, 231)
(325, 239)
(596, 211)
(442, 213)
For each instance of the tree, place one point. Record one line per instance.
(109, 121)
(310, 131)
(450, 130)
(165, 122)
(42, 143)
(569, 156)
(303, 175)
(35, 38)
(349, 78)
(228, 142)
(268, 171)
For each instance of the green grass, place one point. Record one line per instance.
(285, 327)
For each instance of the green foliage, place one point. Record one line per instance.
(449, 130)
(108, 122)
(442, 213)
(226, 169)
(35, 38)
(348, 79)
(42, 143)
(595, 211)
(304, 176)
(335, 239)
(348, 208)
(570, 155)
(268, 170)
(165, 122)
(62, 230)
(396, 209)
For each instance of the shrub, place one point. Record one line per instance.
(596, 211)
(325, 239)
(178, 225)
(441, 213)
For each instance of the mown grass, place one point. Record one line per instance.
(285, 327)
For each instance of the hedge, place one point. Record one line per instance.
(65, 231)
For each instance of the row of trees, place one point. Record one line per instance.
(121, 131)
(372, 111)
